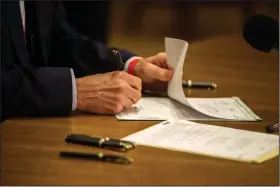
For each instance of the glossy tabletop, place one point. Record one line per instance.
(30, 147)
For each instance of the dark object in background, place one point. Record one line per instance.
(271, 128)
(91, 18)
(262, 33)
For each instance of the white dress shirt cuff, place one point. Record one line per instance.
(126, 65)
(74, 102)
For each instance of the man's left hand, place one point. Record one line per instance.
(154, 72)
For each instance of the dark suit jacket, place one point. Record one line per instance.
(79, 12)
(36, 80)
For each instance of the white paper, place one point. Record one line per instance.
(224, 108)
(160, 108)
(148, 109)
(157, 108)
(175, 52)
(154, 108)
(216, 141)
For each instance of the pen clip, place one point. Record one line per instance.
(118, 57)
(107, 143)
(117, 145)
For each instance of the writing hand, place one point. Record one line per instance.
(108, 93)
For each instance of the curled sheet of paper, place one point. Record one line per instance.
(176, 51)
(224, 108)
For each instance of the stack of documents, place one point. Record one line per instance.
(177, 106)
(209, 140)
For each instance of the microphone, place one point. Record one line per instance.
(261, 33)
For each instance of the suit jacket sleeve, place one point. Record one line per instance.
(72, 49)
(42, 92)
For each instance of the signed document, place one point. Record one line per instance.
(209, 140)
(177, 106)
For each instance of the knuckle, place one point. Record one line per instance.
(139, 80)
(161, 54)
(118, 73)
(121, 85)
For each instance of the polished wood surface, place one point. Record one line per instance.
(30, 147)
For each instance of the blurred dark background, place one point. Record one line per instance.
(189, 20)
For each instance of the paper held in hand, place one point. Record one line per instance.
(209, 140)
(177, 106)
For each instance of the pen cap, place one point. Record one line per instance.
(272, 128)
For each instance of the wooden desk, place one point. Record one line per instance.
(29, 147)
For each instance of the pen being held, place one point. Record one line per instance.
(118, 57)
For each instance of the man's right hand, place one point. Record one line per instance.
(108, 93)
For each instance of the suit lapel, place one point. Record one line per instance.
(11, 13)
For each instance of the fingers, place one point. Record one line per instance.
(133, 81)
(133, 94)
(124, 100)
(116, 101)
(123, 89)
(159, 73)
(127, 89)
(109, 103)
(160, 60)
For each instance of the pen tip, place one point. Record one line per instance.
(130, 160)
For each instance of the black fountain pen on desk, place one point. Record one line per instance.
(98, 157)
(193, 84)
(107, 143)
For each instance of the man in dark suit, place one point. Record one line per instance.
(49, 69)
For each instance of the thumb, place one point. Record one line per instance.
(160, 73)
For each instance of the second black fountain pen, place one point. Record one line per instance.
(195, 84)
(98, 157)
